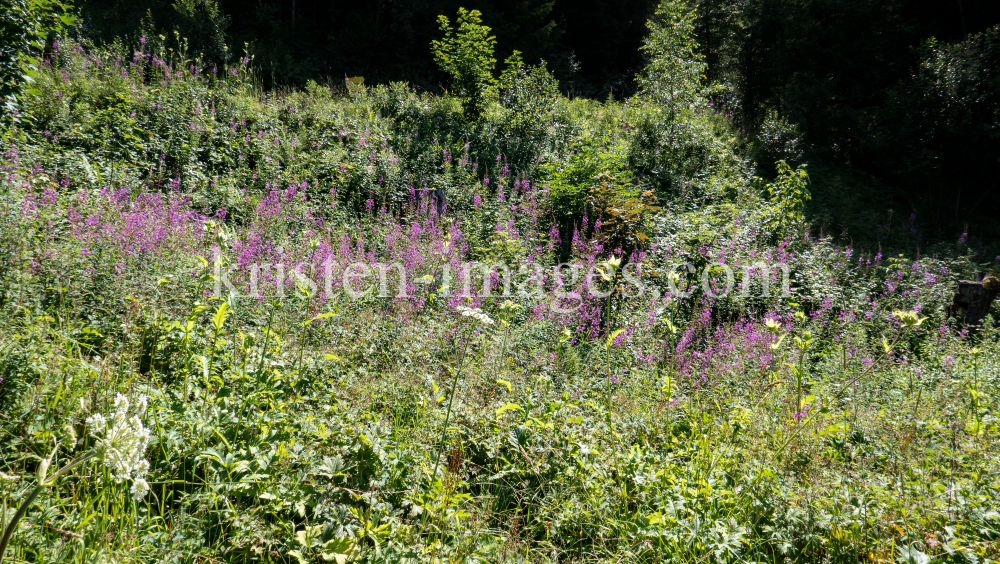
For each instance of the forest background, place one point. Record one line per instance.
(898, 98)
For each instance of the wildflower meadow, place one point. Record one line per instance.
(355, 322)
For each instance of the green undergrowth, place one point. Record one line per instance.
(274, 442)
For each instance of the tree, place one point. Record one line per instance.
(673, 76)
(598, 54)
(466, 53)
(946, 120)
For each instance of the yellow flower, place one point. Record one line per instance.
(909, 318)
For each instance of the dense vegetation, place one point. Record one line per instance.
(272, 417)
(896, 100)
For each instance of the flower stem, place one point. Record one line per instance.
(447, 416)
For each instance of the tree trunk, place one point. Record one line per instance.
(973, 298)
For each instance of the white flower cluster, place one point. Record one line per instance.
(475, 313)
(121, 443)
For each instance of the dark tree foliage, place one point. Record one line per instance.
(591, 46)
(203, 23)
(864, 85)
(599, 52)
(940, 132)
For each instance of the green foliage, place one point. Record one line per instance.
(789, 194)
(466, 54)
(528, 96)
(571, 179)
(25, 26)
(681, 145)
(530, 93)
(623, 212)
(777, 140)
(695, 160)
(672, 79)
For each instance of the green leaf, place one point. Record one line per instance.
(611, 338)
(320, 316)
(339, 550)
(508, 407)
(220, 316)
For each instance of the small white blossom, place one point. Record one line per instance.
(140, 487)
(475, 313)
(121, 444)
(96, 423)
